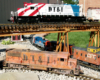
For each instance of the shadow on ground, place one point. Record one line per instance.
(2, 50)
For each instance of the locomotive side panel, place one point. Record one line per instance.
(37, 61)
(43, 60)
(13, 57)
(25, 57)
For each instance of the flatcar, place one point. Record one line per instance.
(89, 55)
(42, 12)
(59, 62)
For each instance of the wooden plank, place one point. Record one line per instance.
(93, 35)
(57, 46)
(95, 39)
(61, 39)
(90, 38)
(64, 42)
(67, 43)
(98, 38)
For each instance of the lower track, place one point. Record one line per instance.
(80, 77)
(94, 67)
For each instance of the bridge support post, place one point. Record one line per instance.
(98, 38)
(63, 39)
(94, 39)
(91, 40)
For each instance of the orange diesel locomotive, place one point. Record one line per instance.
(43, 60)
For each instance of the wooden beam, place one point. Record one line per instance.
(39, 32)
(61, 39)
(98, 38)
(57, 46)
(93, 39)
(64, 42)
(67, 43)
(90, 30)
(91, 34)
(28, 33)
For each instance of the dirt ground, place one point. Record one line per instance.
(18, 46)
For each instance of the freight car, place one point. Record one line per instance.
(59, 62)
(90, 56)
(41, 12)
(93, 14)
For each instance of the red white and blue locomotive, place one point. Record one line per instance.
(34, 12)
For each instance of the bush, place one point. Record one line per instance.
(7, 42)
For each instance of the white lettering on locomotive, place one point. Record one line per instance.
(55, 9)
(91, 56)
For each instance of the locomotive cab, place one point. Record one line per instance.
(75, 68)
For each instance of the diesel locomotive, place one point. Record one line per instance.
(59, 62)
(42, 12)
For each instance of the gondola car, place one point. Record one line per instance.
(42, 12)
(52, 61)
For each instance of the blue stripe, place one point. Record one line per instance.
(75, 9)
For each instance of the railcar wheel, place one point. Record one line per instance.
(99, 68)
(72, 72)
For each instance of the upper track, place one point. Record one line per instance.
(22, 29)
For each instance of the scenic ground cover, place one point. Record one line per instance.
(79, 39)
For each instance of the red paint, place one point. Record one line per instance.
(33, 13)
(18, 8)
(28, 3)
(22, 13)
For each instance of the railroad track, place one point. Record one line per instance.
(80, 77)
(25, 29)
(9, 28)
(94, 67)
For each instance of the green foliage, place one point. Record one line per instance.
(71, 1)
(79, 39)
(7, 42)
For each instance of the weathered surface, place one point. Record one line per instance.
(18, 76)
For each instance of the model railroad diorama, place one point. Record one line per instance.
(64, 60)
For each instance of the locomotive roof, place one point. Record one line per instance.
(92, 47)
(85, 49)
(94, 8)
(27, 50)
